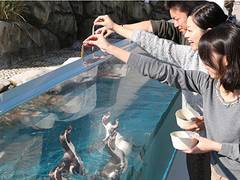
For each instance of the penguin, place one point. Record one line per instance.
(109, 127)
(117, 147)
(118, 162)
(117, 153)
(70, 163)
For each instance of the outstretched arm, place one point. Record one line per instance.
(165, 50)
(100, 41)
(148, 66)
(107, 22)
(144, 25)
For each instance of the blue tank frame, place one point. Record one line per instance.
(25, 92)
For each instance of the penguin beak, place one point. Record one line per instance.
(69, 129)
(115, 125)
(105, 118)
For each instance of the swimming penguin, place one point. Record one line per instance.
(56, 173)
(70, 162)
(110, 128)
(118, 149)
(118, 162)
(2, 154)
(116, 152)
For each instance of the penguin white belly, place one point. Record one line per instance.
(2, 154)
(123, 145)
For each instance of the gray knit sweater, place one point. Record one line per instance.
(179, 55)
(221, 118)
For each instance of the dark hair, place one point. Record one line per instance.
(184, 6)
(223, 40)
(208, 15)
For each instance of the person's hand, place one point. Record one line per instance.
(105, 21)
(204, 145)
(97, 40)
(105, 31)
(197, 125)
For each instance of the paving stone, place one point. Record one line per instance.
(4, 84)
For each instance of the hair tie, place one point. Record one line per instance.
(231, 19)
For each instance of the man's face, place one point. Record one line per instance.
(179, 19)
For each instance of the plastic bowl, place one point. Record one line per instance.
(183, 140)
(185, 117)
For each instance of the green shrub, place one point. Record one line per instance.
(12, 10)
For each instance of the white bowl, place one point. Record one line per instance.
(185, 117)
(183, 140)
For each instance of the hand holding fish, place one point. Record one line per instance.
(97, 40)
(105, 21)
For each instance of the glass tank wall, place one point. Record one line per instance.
(95, 119)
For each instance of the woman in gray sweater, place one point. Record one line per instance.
(220, 90)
